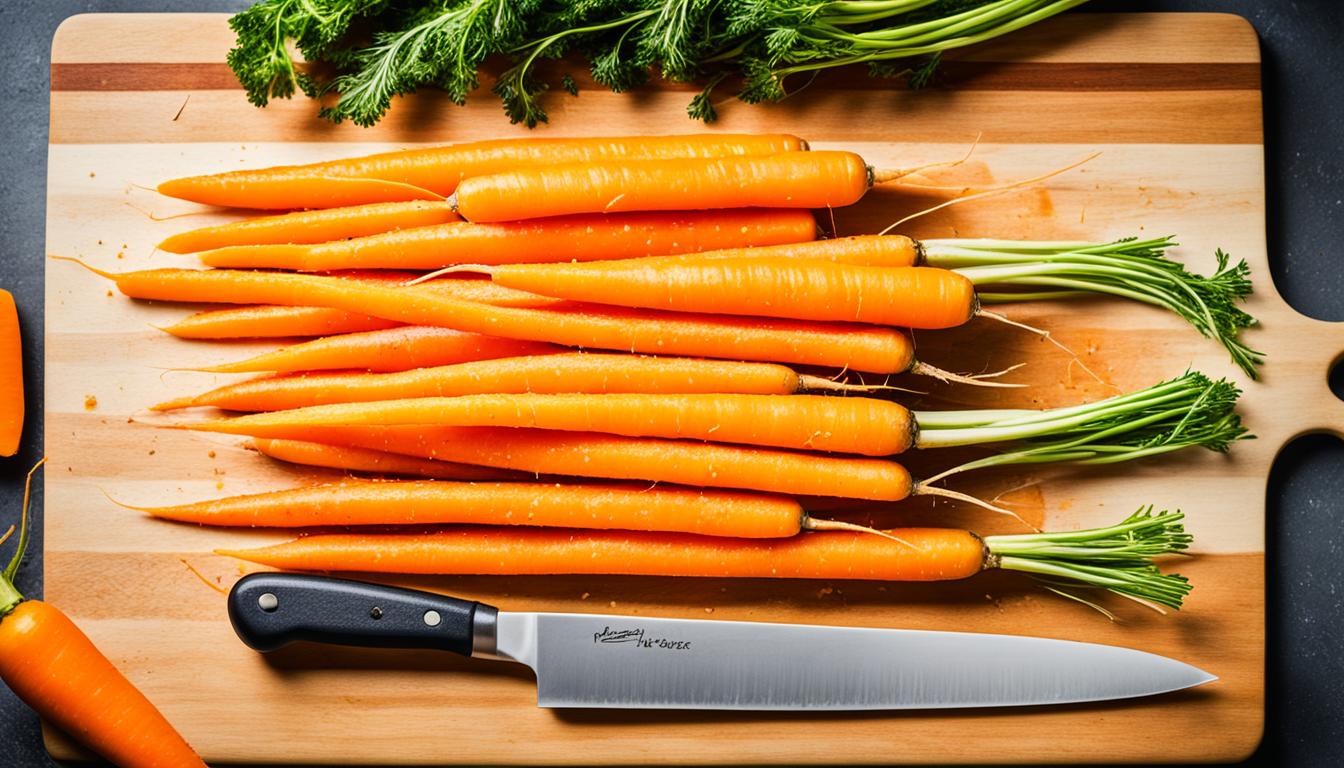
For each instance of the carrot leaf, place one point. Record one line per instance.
(1190, 410)
(1134, 269)
(260, 58)
(378, 49)
(1116, 558)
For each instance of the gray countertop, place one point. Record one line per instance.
(1303, 75)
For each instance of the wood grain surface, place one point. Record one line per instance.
(1170, 101)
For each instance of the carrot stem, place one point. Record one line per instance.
(1190, 410)
(9, 594)
(1117, 558)
(1129, 268)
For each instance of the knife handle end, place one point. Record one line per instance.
(271, 610)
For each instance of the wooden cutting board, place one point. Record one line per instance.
(1172, 102)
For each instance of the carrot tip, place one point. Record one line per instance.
(472, 268)
(82, 263)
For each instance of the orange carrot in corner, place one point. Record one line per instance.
(317, 226)
(271, 322)
(566, 372)
(54, 668)
(381, 462)
(11, 376)
(434, 172)
(567, 505)
(393, 349)
(569, 238)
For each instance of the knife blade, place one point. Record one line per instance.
(597, 661)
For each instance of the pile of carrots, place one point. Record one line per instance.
(637, 355)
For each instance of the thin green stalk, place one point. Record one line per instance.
(1131, 269)
(1116, 558)
(1190, 392)
(9, 594)
(1147, 423)
(889, 52)
(851, 12)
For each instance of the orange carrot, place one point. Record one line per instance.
(821, 179)
(381, 462)
(346, 290)
(852, 346)
(434, 172)
(861, 425)
(269, 322)
(932, 554)
(589, 454)
(11, 376)
(569, 372)
(1187, 411)
(1117, 558)
(54, 668)
(569, 238)
(911, 297)
(394, 349)
(861, 250)
(318, 226)
(569, 505)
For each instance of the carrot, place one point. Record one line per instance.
(434, 172)
(589, 454)
(317, 226)
(1189, 410)
(363, 460)
(1118, 558)
(568, 238)
(820, 179)
(569, 372)
(11, 376)
(861, 425)
(268, 322)
(911, 297)
(350, 291)
(872, 349)
(860, 284)
(861, 250)
(590, 506)
(54, 668)
(393, 349)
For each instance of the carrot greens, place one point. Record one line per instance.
(379, 49)
(1012, 270)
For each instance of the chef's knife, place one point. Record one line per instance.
(584, 660)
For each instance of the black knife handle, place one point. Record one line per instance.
(270, 610)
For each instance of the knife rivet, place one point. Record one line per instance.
(268, 602)
(376, 613)
(432, 618)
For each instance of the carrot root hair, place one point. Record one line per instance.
(975, 380)
(822, 384)
(995, 316)
(813, 524)
(990, 192)
(82, 263)
(886, 175)
(924, 489)
(475, 269)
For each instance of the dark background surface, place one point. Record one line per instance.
(1303, 53)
